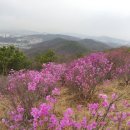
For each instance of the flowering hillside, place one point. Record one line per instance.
(37, 100)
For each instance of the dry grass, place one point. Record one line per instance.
(4, 107)
(69, 99)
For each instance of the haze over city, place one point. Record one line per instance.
(77, 17)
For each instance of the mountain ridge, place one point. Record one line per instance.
(64, 46)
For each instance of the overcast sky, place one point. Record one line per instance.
(88, 17)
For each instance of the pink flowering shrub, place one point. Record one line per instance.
(123, 73)
(28, 87)
(121, 64)
(44, 80)
(19, 118)
(86, 73)
(104, 115)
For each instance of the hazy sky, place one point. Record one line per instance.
(88, 17)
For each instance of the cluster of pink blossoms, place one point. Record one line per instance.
(16, 118)
(100, 116)
(46, 79)
(85, 73)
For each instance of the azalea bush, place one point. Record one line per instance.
(121, 64)
(86, 73)
(26, 88)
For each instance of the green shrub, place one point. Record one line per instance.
(46, 57)
(12, 58)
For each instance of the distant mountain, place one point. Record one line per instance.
(59, 45)
(68, 47)
(94, 45)
(114, 42)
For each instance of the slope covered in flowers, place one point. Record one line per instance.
(33, 96)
